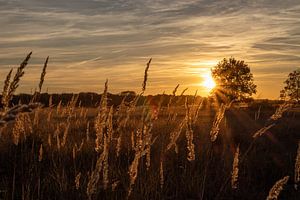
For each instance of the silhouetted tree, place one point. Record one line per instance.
(234, 80)
(128, 93)
(291, 89)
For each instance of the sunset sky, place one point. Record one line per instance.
(91, 40)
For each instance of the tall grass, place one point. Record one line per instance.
(126, 151)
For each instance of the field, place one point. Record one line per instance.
(133, 146)
(196, 150)
(149, 100)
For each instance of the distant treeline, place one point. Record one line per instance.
(93, 99)
(90, 99)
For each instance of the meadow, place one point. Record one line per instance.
(176, 147)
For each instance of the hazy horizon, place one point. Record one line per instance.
(94, 40)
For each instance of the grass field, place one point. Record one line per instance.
(148, 152)
(162, 147)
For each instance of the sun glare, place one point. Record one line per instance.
(208, 82)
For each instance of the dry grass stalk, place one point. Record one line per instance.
(198, 110)
(100, 121)
(81, 111)
(22, 126)
(158, 110)
(105, 171)
(94, 179)
(277, 188)
(66, 132)
(195, 97)
(103, 122)
(74, 153)
(183, 91)
(138, 140)
(78, 149)
(174, 135)
(161, 174)
(17, 130)
(42, 78)
(189, 134)
(262, 131)
(119, 143)
(58, 142)
(58, 108)
(173, 95)
(147, 136)
(72, 105)
(43, 74)
(190, 145)
(129, 111)
(132, 140)
(56, 133)
(36, 117)
(174, 117)
(49, 140)
(88, 131)
(77, 122)
(175, 90)
(146, 76)
(15, 82)
(101, 165)
(50, 101)
(120, 110)
(121, 122)
(297, 166)
(41, 153)
(114, 185)
(235, 169)
(133, 171)
(257, 114)
(216, 124)
(49, 116)
(85, 114)
(77, 180)
(147, 139)
(148, 157)
(280, 110)
(11, 113)
(109, 124)
(107, 142)
(6, 87)
(143, 147)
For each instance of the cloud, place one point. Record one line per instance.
(91, 40)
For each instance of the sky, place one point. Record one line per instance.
(89, 41)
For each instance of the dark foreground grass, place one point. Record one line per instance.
(26, 173)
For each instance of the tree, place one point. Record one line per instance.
(128, 93)
(234, 79)
(292, 87)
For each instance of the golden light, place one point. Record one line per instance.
(208, 82)
(206, 63)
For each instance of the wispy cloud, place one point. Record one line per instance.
(91, 40)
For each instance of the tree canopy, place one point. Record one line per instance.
(291, 90)
(234, 79)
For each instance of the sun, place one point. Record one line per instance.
(208, 82)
